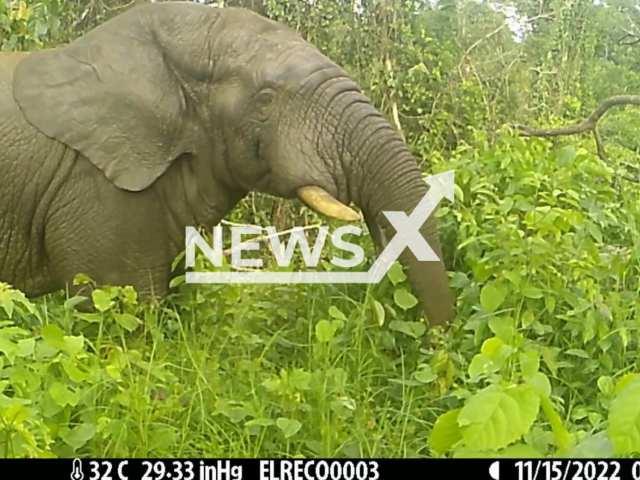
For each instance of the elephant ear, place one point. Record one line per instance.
(112, 96)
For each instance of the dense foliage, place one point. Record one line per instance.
(542, 244)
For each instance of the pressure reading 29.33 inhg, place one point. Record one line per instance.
(225, 470)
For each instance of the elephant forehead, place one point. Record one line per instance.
(296, 66)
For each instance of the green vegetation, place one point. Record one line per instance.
(542, 242)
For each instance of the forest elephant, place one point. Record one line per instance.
(166, 116)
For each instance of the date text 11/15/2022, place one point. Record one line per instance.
(225, 470)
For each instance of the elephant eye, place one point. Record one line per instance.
(263, 103)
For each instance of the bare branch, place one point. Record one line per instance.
(588, 125)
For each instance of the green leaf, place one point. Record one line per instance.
(497, 416)
(53, 335)
(288, 426)
(62, 395)
(531, 292)
(89, 317)
(576, 352)
(81, 279)
(78, 436)
(624, 419)
(492, 295)
(404, 299)
(325, 331)
(71, 303)
(379, 312)
(605, 385)
(425, 374)
(25, 348)
(335, 313)
(561, 435)
(594, 231)
(541, 382)
(259, 422)
(529, 363)
(73, 344)
(101, 300)
(413, 329)
(446, 432)
(127, 321)
(396, 274)
(481, 365)
(623, 382)
(596, 446)
(565, 156)
(521, 450)
(503, 327)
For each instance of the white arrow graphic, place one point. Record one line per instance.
(407, 235)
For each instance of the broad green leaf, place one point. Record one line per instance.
(73, 344)
(481, 365)
(605, 385)
(413, 329)
(81, 279)
(595, 232)
(288, 426)
(531, 292)
(491, 346)
(624, 381)
(396, 274)
(101, 300)
(550, 303)
(503, 327)
(89, 317)
(520, 450)
(527, 319)
(565, 156)
(53, 335)
(335, 313)
(78, 436)
(497, 416)
(404, 299)
(446, 432)
(492, 295)
(127, 321)
(325, 331)
(260, 422)
(541, 382)
(71, 303)
(26, 347)
(529, 363)
(425, 374)
(73, 371)
(596, 446)
(624, 419)
(62, 395)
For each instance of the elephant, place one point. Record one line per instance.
(166, 116)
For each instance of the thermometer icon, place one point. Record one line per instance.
(76, 471)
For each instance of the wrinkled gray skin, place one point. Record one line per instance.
(166, 116)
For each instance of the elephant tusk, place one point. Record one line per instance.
(322, 202)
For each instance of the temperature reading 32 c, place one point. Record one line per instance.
(576, 470)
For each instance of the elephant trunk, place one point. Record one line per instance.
(386, 177)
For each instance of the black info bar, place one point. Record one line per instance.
(320, 469)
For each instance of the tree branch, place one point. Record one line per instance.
(588, 125)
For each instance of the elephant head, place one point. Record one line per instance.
(251, 104)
